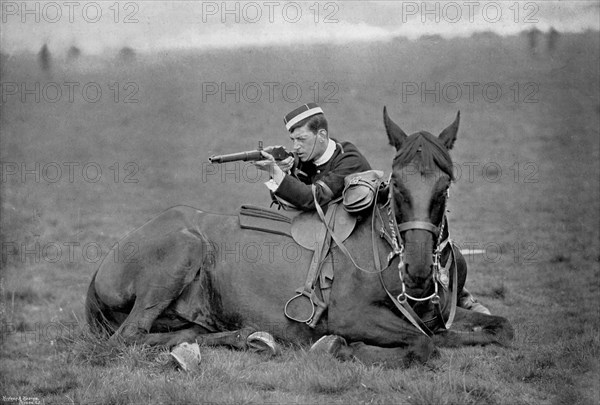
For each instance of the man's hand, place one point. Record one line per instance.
(270, 166)
(286, 164)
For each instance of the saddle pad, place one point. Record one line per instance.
(266, 220)
(307, 228)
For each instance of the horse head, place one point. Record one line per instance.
(421, 177)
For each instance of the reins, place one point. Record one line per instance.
(394, 238)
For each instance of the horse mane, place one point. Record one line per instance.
(425, 151)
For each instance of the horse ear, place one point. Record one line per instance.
(448, 135)
(394, 133)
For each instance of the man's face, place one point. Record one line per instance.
(306, 143)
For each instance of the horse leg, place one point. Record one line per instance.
(172, 262)
(418, 352)
(474, 328)
(197, 334)
(402, 343)
(393, 357)
(145, 311)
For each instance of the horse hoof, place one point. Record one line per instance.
(477, 307)
(329, 344)
(187, 356)
(262, 342)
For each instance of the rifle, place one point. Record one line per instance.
(279, 153)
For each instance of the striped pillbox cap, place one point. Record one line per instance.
(300, 113)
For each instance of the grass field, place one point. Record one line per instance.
(77, 176)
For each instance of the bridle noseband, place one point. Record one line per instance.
(395, 239)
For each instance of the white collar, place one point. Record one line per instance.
(324, 158)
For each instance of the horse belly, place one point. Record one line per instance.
(254, 274)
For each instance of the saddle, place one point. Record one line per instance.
(313, 230)
(267, 220)
(309, 230)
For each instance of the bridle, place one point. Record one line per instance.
(391, 232)
(440, 275)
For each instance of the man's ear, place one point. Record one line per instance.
(323, 133)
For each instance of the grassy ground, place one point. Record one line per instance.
(528, 194)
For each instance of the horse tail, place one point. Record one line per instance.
(97, 315)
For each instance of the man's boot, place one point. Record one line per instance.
(467, 301)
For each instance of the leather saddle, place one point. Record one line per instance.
(309, 231)
(305, 227)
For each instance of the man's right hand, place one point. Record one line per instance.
(286, 164)
(269, 165)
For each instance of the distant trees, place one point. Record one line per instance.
(553, 36)
(44, 58)
(73, 53)
(535, 36)
(3, 60)
(126, 54)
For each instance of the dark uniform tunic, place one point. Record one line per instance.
(328, 178)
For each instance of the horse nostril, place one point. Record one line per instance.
(414, 280)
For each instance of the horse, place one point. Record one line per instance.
(198, 277)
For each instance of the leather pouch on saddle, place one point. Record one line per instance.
(360, 190)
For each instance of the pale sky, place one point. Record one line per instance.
(147, 26)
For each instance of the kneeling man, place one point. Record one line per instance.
(321, 161)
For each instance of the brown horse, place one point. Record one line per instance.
(196, 276)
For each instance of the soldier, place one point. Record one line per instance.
(321, 161)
